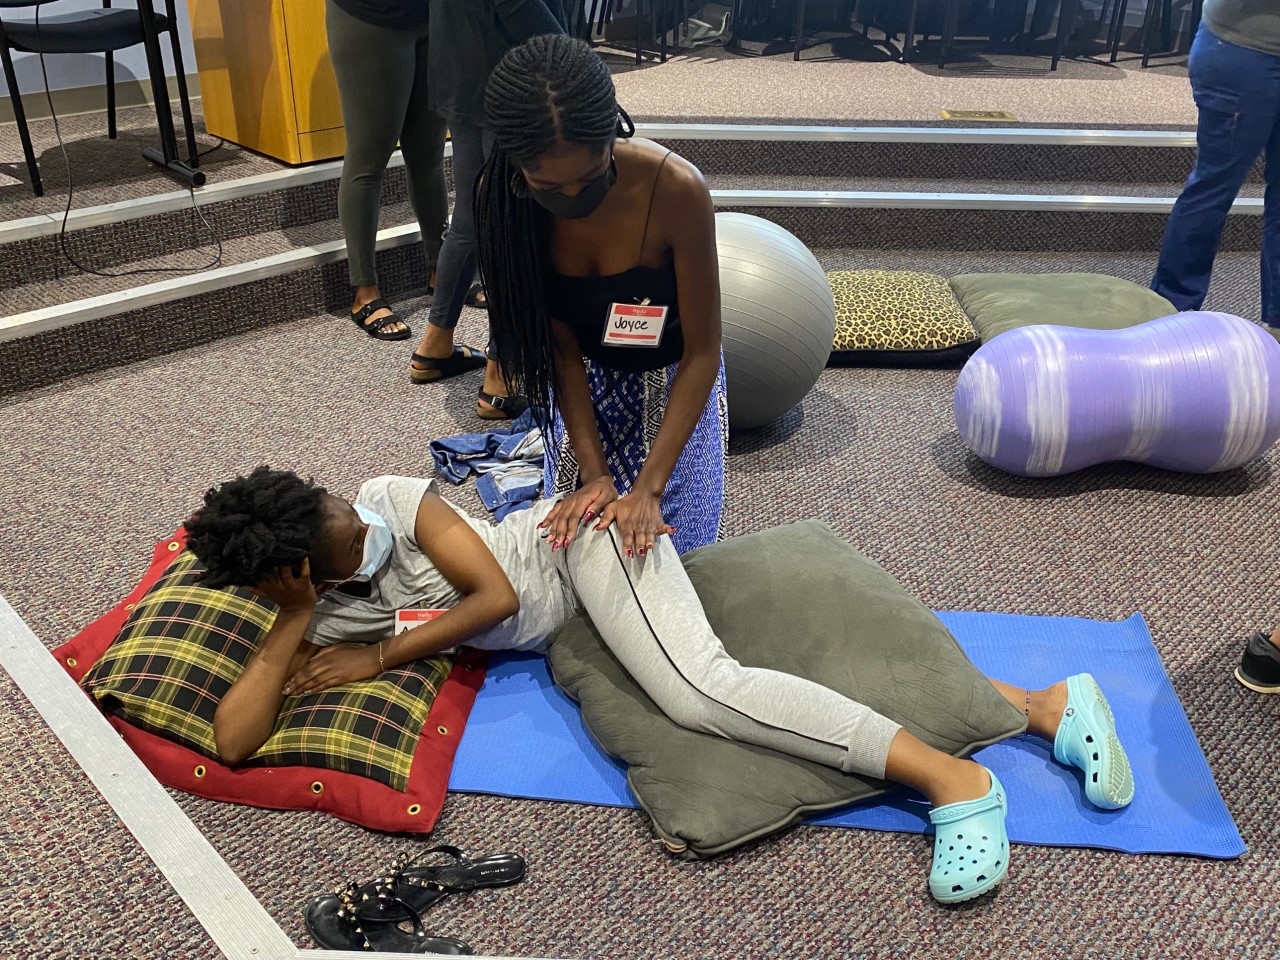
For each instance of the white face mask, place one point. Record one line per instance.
(377, 544)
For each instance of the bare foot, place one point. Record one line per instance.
(965, 780)
(1047, 707)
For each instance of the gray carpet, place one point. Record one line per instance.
(92, 473)
(834, 84)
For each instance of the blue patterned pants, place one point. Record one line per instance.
(629, 410)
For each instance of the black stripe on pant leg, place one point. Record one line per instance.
(680, 673)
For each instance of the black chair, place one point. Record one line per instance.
(1158, 13)
(802, 16)
(96, 31)
(1162, 13)
(660, 17)
(1068, 11)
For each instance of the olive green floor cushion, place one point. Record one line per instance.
(997, 302)
(898, 318)
(799, 599)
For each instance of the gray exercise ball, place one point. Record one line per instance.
(778, 315)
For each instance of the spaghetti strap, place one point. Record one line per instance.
(645, 236)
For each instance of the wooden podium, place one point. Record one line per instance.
(265, 77)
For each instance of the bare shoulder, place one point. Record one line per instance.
(679, 177)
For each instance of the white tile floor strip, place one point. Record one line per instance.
(234, 919)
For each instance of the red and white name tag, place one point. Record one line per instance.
(634, 325)
(409, 618)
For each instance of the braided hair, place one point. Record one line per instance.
(251, 526)
(550, 90)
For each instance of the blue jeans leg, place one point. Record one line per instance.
(1237, 93)
(1271, 234)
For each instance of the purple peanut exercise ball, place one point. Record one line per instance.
(1195, 392)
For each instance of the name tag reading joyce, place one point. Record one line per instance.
(409, 618)
(634, 325)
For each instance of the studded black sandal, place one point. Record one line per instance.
(342, 921)
(421, 887)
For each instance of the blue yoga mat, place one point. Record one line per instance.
(526, 739)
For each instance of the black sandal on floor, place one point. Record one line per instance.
(476, 297)
(422, 887)
(463, 360)
(377, 329)
(504, 408)
(335, 922)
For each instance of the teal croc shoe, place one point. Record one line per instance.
(970, 846)
(1087, 739)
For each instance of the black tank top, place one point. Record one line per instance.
(583, 305)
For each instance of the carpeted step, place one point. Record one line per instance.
(166, 226)
(196, 256)
(260, 300)
(1018, 155)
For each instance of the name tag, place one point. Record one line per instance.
(409, 618)
(634, 325)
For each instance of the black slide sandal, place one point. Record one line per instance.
(464, 359)
(376, 329)
(504, 408)
(335, 924)
(476, 297)
(419, 888)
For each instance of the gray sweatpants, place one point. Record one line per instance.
(650, 616)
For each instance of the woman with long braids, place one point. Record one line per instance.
(598, 255)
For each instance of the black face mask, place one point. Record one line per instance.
(585, 203)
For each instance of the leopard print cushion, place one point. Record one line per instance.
(898, 316)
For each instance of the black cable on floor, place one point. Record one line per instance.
(66, 213)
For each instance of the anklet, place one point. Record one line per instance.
(1027, 709)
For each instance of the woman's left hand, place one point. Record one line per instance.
(639, 519)
(334, 666)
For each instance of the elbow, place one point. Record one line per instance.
(508, 603)
(231, 754)
(231, 751)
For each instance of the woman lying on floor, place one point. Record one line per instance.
(340, 572)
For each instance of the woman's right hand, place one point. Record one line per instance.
(287, 590)
(581, 506)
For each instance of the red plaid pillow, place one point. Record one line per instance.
(348, 796)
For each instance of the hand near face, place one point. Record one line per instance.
(287, 590)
